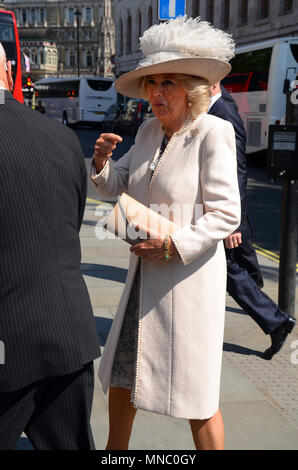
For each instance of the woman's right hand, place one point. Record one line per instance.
(103, 149)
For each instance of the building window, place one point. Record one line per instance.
(41, 55)
(49, 57)
(88, 15)
(72, 59)
(243, 13)
(34, 56)
(263, 9)
(89, 59)
(226, 14)
(195, 8)
(138, 29)
(42, 15)
(33, 15)
(210, 10)
(128, 36)
(286, 6)
(54, 57)
(120, 37)
(71, 15)
(24, 15)
(139, 24)
(150, 17)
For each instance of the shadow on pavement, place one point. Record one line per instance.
(104, 271)
(228, 347)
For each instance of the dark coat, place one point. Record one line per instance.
(46, 319)
(226, 108)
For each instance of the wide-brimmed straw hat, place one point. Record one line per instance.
(182, 45)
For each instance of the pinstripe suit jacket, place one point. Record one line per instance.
(46, 319)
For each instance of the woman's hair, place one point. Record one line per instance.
(197, 91)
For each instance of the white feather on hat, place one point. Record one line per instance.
(182, 45)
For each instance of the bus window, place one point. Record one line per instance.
(253, 61)
(100, 85)
(7, 38)
(63, 89)
(236, 82)
(294, 50)
(258, 81)
(10, 40)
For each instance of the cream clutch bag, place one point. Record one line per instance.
(130, 220)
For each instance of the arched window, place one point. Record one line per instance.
(150, 17)
(243, 11)
(72, 59)
(210, 10)
(89, 59)
(195, 8)
(139, 24)
(138, 29)
(49, 57)
(226, 14)
(128, 35)
(120, 37)
(263, 9)
(41, 57)
(34, 56)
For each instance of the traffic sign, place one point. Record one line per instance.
(168, 9)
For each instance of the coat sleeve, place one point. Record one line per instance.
(220, 195)
(113, 178)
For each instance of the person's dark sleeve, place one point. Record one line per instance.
(230, 114)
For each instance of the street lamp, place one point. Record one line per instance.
(78, 14)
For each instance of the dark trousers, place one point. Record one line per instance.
(244, 282)
(54, 413)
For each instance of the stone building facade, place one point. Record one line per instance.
(49, 36)
(248, 20)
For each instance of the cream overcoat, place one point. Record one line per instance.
(182, 303)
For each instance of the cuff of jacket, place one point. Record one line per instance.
(99, 178)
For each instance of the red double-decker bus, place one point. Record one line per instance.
(9, 38)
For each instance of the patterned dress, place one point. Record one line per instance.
(124, 365)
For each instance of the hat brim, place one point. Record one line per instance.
(212, 70)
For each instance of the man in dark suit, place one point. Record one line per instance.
(47, 328)
(244, 279)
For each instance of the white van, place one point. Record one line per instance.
(77, 99)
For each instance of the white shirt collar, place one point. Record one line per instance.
(213, 99)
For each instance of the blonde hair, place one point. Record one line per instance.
(197, 91)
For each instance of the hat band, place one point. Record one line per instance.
(163, 56)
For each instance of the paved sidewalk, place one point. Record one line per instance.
(259, 398)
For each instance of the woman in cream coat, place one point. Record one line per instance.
(187, 159)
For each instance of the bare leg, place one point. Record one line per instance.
(121, 415)
(208, 434)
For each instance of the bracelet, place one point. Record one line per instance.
(166, 245)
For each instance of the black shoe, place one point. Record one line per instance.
(279, 336)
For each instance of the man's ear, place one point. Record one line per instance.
(9, 76)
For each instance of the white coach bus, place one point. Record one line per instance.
(256, 83)
(78, 99)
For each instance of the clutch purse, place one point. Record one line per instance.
(131, 221)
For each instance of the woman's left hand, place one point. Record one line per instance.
(153, 249)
